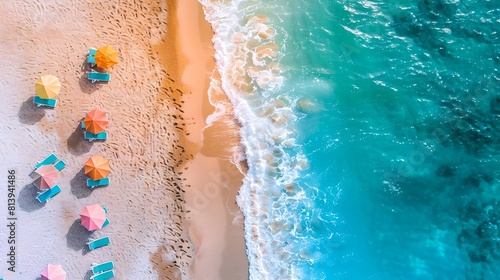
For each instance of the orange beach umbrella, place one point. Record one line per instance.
(95, 121)
(93, 217)
(53, 272)
(47, 87)
(45, 177)
(106, 57)
(97, 167)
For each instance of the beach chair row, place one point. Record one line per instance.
(92, 75)
(59, 164)
(104, 270)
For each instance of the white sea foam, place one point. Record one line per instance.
(248, 59)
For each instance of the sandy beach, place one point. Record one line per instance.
(171, 198)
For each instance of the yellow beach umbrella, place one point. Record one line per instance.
(106, 57)
(47, 87)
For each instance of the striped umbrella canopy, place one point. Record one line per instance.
(93, 217)
(45, 177)
(106, 57)
(53, 272)
(97, 167)
(47, 87)
(95, 121)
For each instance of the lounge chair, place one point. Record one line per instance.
(82, 125)
(99, 136)
(106, 222)
(98, 77)
(44, 102)
(48, 160)
(90, 57)
(97, 183)
(60, 165)
(103, 275)
(98, 243)
(105, 209)
(48, 194)
(96, 268)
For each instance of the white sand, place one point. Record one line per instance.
(146, 148)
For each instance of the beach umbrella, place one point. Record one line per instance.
(45, 177)
(93, 217)
(97, 167)
(53, 272)
(95, 121)
(106, 57)
(47, 87)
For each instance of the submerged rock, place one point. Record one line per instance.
(307, 105)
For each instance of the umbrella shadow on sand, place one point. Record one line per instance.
(85, 84)
(29, 113)
(79, 185)
(77, 144)
(27, 198)
(88, 275)
(77, 237)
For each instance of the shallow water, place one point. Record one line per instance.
(370, 131)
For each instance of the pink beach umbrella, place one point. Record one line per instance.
(53, 272)
(93, 217)
(45, 177)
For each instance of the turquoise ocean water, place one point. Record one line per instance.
(371, 131)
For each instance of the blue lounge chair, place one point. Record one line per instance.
(82, 125)
(49, 160)
(99, 136)
(98, 243)
(44, 102)
(105, 209)
(90, 57)
(97, 183)
(98, 77)
(106, 222)
(60, 165)
(103, 275)
(96, 268)
(48, 194)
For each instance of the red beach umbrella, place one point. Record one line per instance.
(93, 217)
(53, 272)
(45, 177)
(95, 121)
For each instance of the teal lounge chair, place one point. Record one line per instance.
(105, 209)
(49, 160)
(44, 102)
(97, 183)
(98, 243)
(82, 125)
(98, 77)
(106, 222)
(60, 165)
(102, 267)
(99, 136)
(90, 57)
(103, 275)
(48, 194)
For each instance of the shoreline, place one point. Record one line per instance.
(211, 181)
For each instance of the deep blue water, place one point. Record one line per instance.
(374, 151)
